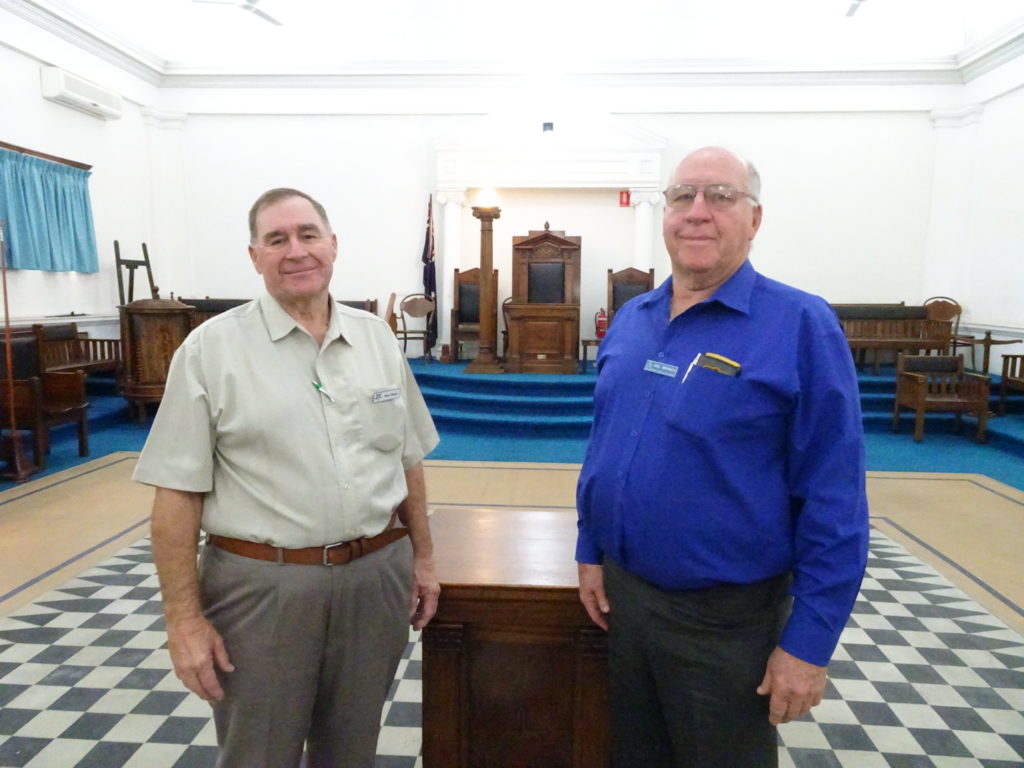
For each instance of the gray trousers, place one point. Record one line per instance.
(684, 667)
(315, 650)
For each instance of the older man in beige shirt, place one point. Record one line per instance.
(292, 432)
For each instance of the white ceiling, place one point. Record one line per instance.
(540, 36)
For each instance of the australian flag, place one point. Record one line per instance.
(430, 273)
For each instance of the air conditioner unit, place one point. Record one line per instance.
(72, 91)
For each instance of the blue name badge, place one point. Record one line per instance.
(662, 369)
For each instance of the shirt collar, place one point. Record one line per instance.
(280, 323)
(733, 293)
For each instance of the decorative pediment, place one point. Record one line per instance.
(547, 242)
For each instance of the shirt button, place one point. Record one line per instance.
(648, 393)
(633, 433)
(661, 354)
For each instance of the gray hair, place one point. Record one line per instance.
(272, 196)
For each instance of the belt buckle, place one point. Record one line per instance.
(326, 559)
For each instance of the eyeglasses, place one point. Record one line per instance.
(681, 197)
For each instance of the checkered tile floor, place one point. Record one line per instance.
(923, 677)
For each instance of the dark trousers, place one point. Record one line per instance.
(684, 669)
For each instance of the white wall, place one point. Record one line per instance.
(372, 174)
(850, 206)
(119, 187)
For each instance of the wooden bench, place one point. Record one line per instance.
(204, 309)
(895, 327)
(62, 348)
(1013, 378)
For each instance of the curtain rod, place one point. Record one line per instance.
(44, 156)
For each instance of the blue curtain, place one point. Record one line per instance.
(47, 215)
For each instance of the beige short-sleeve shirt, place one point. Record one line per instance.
(292, 445)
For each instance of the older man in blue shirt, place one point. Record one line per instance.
(722, 510)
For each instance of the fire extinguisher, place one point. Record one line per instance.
(601, 323)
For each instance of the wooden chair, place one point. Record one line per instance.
(389, 315)
(945, 308)
(624, 285)
(61, 347)
(42, 399)
(1013, 378)
(414, 307)
(938, 383)
(465, 325)
(504, 331)
(131, 265)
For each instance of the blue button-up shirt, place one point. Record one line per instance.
(695, 478)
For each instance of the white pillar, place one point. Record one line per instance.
(947, 245)
(452, 201)
(170, 251)
(644, 201)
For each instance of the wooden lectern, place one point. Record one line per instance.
(515, 675)
(544, 314)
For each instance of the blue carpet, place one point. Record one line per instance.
(563, 401)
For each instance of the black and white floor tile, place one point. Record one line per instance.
(923, 678)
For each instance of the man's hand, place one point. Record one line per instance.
(592, 593)
(425, 591)
(195, 647)
(795, 686)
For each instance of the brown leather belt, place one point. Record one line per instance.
(333, 554)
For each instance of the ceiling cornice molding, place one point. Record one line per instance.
(1005, 45)
(940, 72)
(62, 23)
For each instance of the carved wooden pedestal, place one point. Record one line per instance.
(514, 672)
(151, 330)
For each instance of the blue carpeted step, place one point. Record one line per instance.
(541, 406)
(504, 423)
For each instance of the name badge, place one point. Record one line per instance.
(384, 395)
(662, 369)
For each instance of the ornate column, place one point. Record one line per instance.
(447, 257)
(486, 361)
(644, 201)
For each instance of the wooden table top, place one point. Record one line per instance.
(505, 547)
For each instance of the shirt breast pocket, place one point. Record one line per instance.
(383, 418)
(705, 403)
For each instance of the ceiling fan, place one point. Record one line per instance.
(245, 5)
(853, 8)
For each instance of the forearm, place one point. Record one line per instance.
(413, 513)
(175, 537)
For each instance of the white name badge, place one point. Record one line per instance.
(662, 369)
(384, 395)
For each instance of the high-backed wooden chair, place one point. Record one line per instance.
(624, 285)
(1013, 378)
(465, 324)
(415, 307)
(945, 308)
(938, 383)
(42, 399)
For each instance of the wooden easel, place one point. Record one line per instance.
(17, 466)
